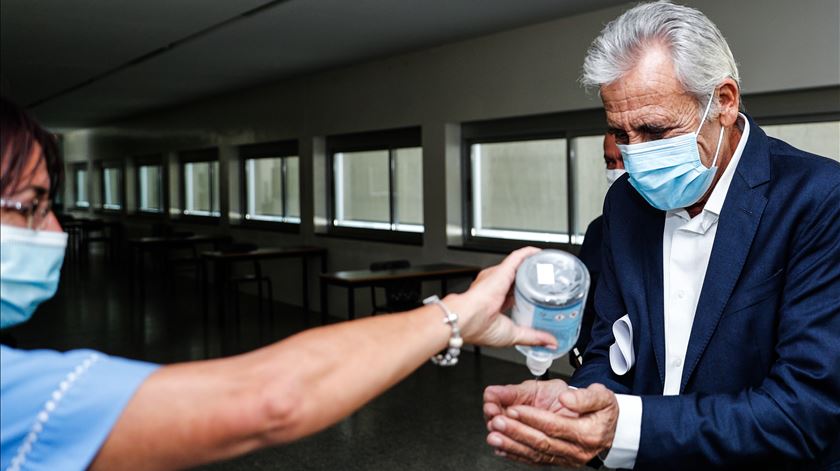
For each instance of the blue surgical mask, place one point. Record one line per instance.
(668, 173)
(30, 265)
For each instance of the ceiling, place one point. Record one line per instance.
(87, 62)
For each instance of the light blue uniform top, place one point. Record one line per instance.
(56, 409)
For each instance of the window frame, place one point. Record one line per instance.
(101, 166)
(74, 167)
(163, 181)
(387, 140)
(210, 154)
(267, 150)
(565, 125)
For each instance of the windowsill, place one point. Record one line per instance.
(504, 246)
(111, 211)
(374, 235)
(196, 219)
(149, 214)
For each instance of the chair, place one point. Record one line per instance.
(399, 295)
(177, 260)
(97, 231)
(256, 277)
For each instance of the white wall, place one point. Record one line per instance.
(780, 45)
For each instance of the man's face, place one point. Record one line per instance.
(649, 103)
(612, 155)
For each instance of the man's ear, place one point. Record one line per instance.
(729, 102)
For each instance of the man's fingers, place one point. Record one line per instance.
(491, 410)
(549, 423)
(591, 399)
(516, 451)
(532, 437)
(511, 394)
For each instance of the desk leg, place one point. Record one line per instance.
(205, 306)
(141, 302)
(305, 262)
(220, 286)
(325, 309)
(351, 303)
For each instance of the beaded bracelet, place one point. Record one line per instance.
(450, 356)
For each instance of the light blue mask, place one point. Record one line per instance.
(668, 173)
(30, 265)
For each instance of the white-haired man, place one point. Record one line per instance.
(717, 337)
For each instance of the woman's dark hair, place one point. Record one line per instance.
(19, 133)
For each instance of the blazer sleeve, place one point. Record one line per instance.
(609, 307)
(794, 413)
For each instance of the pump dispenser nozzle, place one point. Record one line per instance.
(538, 367)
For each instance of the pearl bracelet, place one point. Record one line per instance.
(450, 356)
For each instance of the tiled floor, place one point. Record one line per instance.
(430, 421)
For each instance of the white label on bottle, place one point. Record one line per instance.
(545, 274)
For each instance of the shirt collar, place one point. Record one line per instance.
(716, 199)
(714, 204)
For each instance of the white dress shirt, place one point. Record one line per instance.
(686, 247)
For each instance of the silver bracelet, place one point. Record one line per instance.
(450, 356)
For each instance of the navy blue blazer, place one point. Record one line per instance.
(761, 381)
(590, 255)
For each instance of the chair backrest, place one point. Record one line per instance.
(399, 295)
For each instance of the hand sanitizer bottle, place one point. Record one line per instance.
(550, 294)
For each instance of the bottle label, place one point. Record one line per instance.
(561, 322)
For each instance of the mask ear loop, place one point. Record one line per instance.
(720, 140)
(705, 113)
(703, 120)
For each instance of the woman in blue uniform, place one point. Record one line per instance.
(83, 409)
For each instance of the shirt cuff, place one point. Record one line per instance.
(628, 430)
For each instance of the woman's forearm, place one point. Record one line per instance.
(188, 414)
(320, 376)
(199, 412)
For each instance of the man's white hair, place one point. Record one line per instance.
(700, 54)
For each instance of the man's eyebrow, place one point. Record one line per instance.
(613, 130)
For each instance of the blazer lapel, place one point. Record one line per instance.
(654, 288)
(739, 220)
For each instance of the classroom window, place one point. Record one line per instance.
(532, 180)
(112, 188)
(150, 188)
(201, 189)
(272, 189)
(377, 184)
(520, 190)
(380, 189)
(822, 138)
(80, 187)
(590, 181)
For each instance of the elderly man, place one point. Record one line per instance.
(717, 338)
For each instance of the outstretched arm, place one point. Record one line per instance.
(192, 413)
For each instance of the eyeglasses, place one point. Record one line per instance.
(35, 213)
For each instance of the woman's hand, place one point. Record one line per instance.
(481, 307)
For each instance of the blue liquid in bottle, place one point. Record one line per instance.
(550, 294)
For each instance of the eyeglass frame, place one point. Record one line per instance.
(30, 211)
